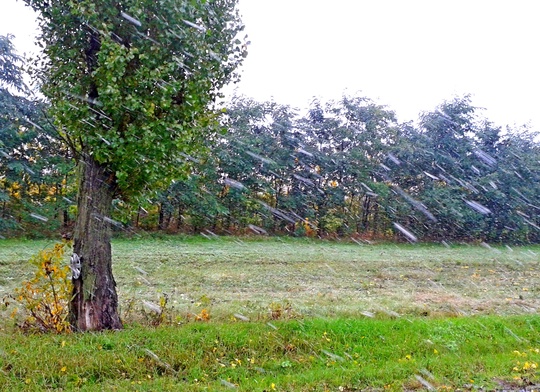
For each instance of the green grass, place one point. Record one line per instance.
(324, 316)
(294, 355)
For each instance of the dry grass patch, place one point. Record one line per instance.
(316, 278)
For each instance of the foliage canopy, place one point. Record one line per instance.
(131, 82)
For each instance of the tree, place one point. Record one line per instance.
(32, 164)
(10, 71)
(130, 85)
(10, 107)
(264, 152)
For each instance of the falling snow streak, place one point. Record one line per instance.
(478, 207)
(257, 229)
(278, 213)
(131, 19)
(39, 217)
(409, 235)
(195, 25)
(234, 184)
(415, 203)
(261, 158)
(485, 157)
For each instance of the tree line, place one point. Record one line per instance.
(344, 168)
(348, 168)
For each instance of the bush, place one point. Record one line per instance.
(44, 300)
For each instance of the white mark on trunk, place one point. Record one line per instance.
(75, 265)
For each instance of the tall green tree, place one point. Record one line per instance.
(33, 167)
(10, 71)
(131, 85)
(10, 105)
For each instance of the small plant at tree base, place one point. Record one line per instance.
(280, 310)
(158, 314)
(44, 299)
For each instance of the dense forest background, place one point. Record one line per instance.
(342, 168)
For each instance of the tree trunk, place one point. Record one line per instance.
(138, 217)
(94, 303)
(65, 219)
(365, 212)
(161, 218)
(180, 220)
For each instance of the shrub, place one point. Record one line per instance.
(44, 299)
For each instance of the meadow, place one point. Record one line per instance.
(265, 314)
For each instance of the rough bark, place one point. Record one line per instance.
(94, 303)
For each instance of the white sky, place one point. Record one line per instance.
(407, 54)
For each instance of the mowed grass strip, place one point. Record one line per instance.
(311, 278)
(469, 353)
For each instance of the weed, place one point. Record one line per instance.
(44, 299)
(204, 315)
(526, 367)
(158, 314)
(281, 310)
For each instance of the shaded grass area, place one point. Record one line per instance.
(296, 355)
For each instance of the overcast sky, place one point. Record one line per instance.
(407, 54)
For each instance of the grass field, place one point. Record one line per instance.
(294, 315)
